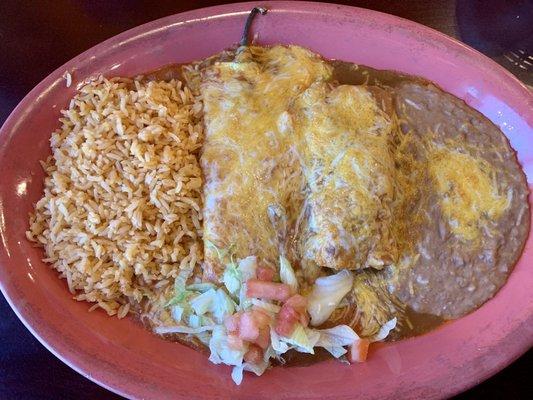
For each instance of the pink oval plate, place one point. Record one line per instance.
(121, 356)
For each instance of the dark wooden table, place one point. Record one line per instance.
(38, 36)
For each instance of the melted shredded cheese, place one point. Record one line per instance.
(344, 143)
(248, 155)
(468, 191)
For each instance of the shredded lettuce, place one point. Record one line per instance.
(178, 298)
(177, 312)
(221, 253)
(222, 306)
(334, 339)
(303, 340)
(221, 352)
(200, 309)
(232, 278)
(203, 302)
(244, 301)
(216, 302)
(248, 268)
(336, 351)
(280, 346)
(201, 287)
(287, 274)
(203, 337)
(195, 321)
(266, 306)
(326, 294)
(183, 329)
(181, 279)
(340, 335)
(258, 369)
(180, 291)
(235, 275)
(269, 353)
(237, 374)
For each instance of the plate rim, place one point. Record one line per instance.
(520, 346)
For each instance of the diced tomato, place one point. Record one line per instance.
(265, 273)
(263, 340)
(235, 342)
(254, 355)
(304, 319)
(359, 350)
(232, 323)
(286, 321)
(248, 327)
(299, 303)
(262, 321)
(284, 327)
(267, 290)
(292, 312)
(288, 313)
(262, 318)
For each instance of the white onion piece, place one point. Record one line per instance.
(326, 295)
(287, 275)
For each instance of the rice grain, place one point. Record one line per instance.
(120, 215)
